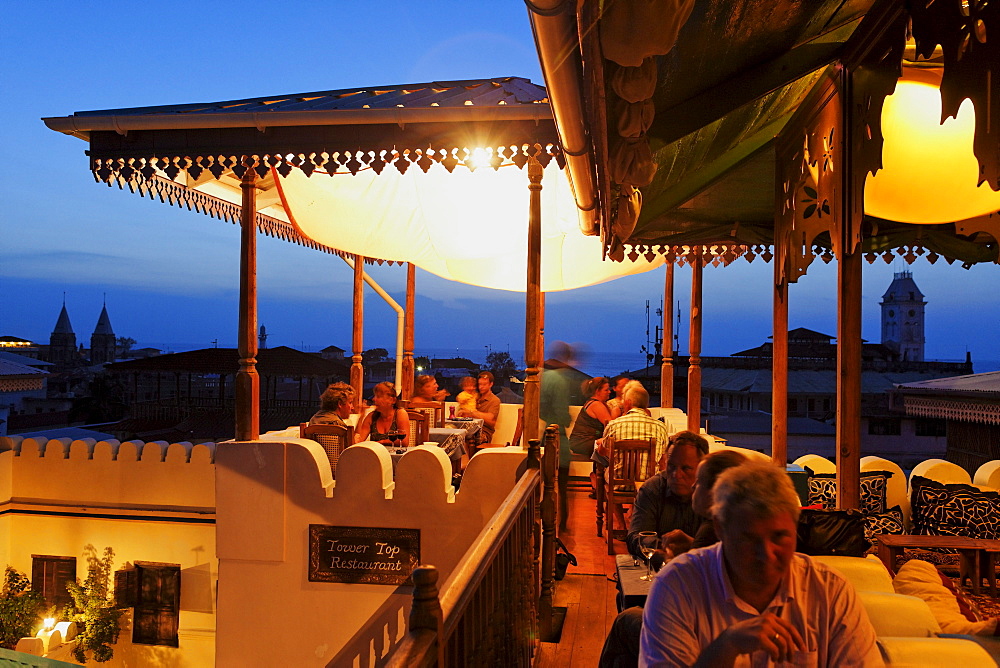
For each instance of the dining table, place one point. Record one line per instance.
(632, 591)
(450, 439)
(472, 426)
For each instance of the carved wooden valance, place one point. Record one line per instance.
(143, 165)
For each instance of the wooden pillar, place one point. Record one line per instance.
(550, 502)
(694, 346)
(357, 370)
(533, 303)
(667, 345)
(849, 380)
(247, 380)
(408, 329)
(779, 362)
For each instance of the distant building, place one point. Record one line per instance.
(333, 353)
(903, 318)
(20, 346)
(968, 405)
(102, 341)
(62, 341)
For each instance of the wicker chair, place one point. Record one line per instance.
(433, 409)
(419, 429)
(625, 469)
(332, 437)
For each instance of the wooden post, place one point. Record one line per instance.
(247, 380)
(533, 302)
(694, 346)
(408, 328)
(779, 362)
(549, 505)
(849, 380)
(667, 345)
(357, 342)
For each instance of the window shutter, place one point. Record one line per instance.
(157, 604)
(125, 588)
(49, 576)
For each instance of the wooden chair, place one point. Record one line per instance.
(332, 437)
(626, 467)
(433, 409)
(419, 429)
(518, 428)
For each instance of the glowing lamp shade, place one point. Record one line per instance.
(929, 172)
(467, 225)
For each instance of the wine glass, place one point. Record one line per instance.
(648, 542)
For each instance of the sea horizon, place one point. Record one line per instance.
(593, 363)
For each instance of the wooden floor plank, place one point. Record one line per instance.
(587, 592)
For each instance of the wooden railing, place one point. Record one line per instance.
(488, 613)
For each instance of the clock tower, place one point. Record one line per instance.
(903, 318)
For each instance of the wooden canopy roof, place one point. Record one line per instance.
(690, 110)
(170, 152)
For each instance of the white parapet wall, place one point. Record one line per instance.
(149, 502)
(269, 493)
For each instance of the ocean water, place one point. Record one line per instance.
(595, 363)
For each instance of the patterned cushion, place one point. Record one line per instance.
(953, 510)
(891, 521)
(823, 490)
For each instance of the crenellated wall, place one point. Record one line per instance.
(268, 494)
(152, 502)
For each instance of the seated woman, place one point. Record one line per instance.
(386, 418)
(425, 388)
(335, 405)
(593, 416)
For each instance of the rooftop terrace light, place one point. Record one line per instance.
(929, 171)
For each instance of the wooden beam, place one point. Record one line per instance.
(247, 380)
(533, 304)
(667, 344)
(408, 329)
(357, 340)
(694, 346)
(849, 380)
(779, 362)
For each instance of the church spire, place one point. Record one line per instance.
(104, 323)
(63, 325)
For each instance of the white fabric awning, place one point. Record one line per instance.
(465, 225)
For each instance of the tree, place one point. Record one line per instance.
(20, 608)
(124, 344)
(502, 366)
(96, 616)
(422, 362)
(374, 355)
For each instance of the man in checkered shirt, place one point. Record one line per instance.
(635, 422)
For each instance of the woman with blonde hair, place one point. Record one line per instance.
(386, 418)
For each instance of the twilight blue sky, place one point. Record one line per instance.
(171, 275)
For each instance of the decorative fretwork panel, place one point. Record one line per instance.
(966, 30)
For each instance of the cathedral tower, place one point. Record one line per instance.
(62, 340)
(102, 341)
(903, 318)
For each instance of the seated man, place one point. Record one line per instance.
(487, 406)
(335, 405)
(751, 598)
(663, 503)
(635, 422)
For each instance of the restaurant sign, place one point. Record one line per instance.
(362, 555)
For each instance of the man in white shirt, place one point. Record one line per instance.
(751, 600)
